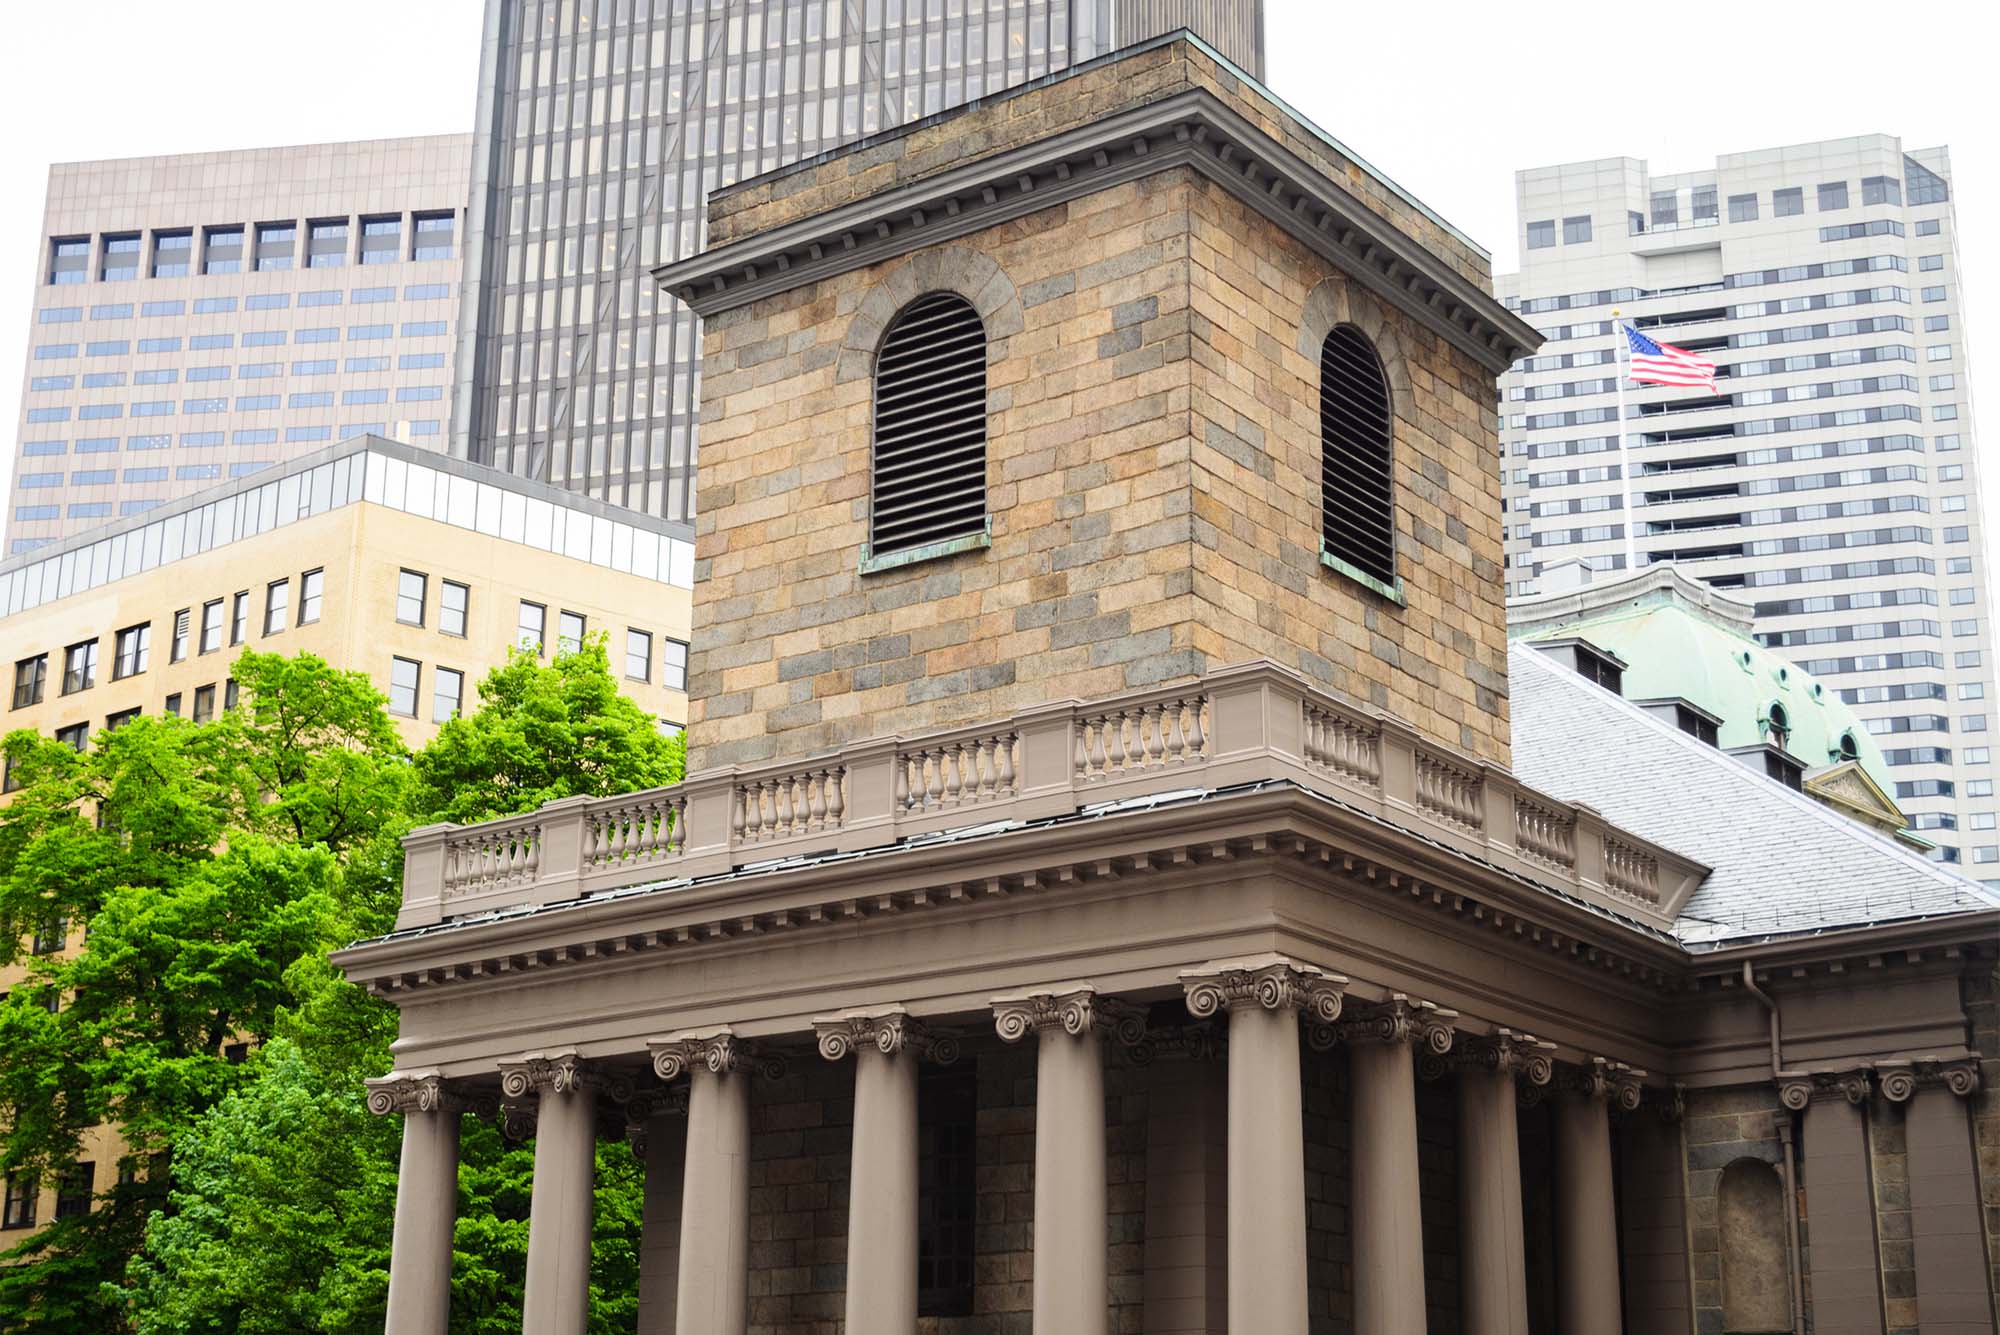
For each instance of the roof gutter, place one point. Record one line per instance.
(1784, 1121)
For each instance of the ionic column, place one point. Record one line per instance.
(1953, 1297)
(426, 1199)
(1586, 1213)
(714, 1290)
(1071, 1291)
(555, 1298)
(1267, 1189)
(656, 1124)
(882, 1185)
(1387, 1198)
(1494, 1276)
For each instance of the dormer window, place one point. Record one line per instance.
(1785, 770)
(1605, 671)
(1849, 748)
(1779, 724)
(928, 459)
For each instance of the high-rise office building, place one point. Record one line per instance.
(203, 316)
(603, 125)
(1832, 480)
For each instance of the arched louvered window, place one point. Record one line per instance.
(1357, 494)
(929, 456)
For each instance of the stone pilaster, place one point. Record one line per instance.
(1263, 995)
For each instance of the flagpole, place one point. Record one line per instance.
(1624, 453)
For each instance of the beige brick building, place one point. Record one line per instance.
(1109, 754)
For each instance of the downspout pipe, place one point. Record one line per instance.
(1778, 1076)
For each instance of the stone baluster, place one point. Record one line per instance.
(1071, 1265)
(882, 1182)
(1263, 995)
(426, 1199)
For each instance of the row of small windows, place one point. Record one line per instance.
(1664, 207)
(359, 333)
(409, 361)
(927, 485)
(1754, 278)
(271, 247)
(532, 634)
(245, 403)
(256, 301)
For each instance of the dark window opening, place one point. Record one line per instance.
(1357, 489)
(929, 455)
(947, 1187)
(1694, 725)
(74, 1192)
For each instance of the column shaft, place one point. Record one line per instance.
(556, 1297)
(660, 1238)
(1586, 1219)
(1387, 1213)
(426, 1206)
(1494, 1274)
(1071, 1296)
(1267, 1174)
(882, 1200)
(715, 1212)
(1953, 1297)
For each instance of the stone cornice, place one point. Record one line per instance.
(1074, 1008)
(718, 1051)
(890, 1030)
(1193, 129)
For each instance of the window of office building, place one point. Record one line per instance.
(1743, 208)
(381, 240)
(453, 600)
(79, 667)
(76, 736)
(222, 250)
(1576, 230)
(1704, 203)
(211, 626)
(30, 680)
(1832, 196)
(674, 665)
(18, 1211)
(447, 694)
(134, 652)
(532, 627)
(277, 246)
(411, 591)
(1881, 190)
(312, 588)
(204, 704)
(277, 605)
(173, 253)
(1665, 208)
(570, 628)
(639, 655)
(69, 260)
(239, 619)
(404, 674)
(1788, 202)
(434, 236)
(326, 243)
(121, 258)
(1541, 234)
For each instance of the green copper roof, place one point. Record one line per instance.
(1674, 649)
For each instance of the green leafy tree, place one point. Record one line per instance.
(541, 733)
(283, 1189)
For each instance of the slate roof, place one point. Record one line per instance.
(1784, 864)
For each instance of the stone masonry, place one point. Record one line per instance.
(1153, 464)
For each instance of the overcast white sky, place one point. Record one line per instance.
(1448, 97)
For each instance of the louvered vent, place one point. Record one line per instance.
(1357, 496)
(930, 426)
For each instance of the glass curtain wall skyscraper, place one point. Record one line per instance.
(603, 125)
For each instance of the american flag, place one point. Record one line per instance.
(1664, 364)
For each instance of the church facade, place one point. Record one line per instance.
(1101, 900)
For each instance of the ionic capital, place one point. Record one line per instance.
(1796, 1091)
(890, 1030)
(647, 1104)
(541, 1074)
(1074, 1008)
(413, 1092)
(717, 1051)
(1427, 1026)
(1506, 1052)
(1613, 1082)
(1898, 1080)
(1267, 982)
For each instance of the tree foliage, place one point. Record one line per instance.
(215, 865)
